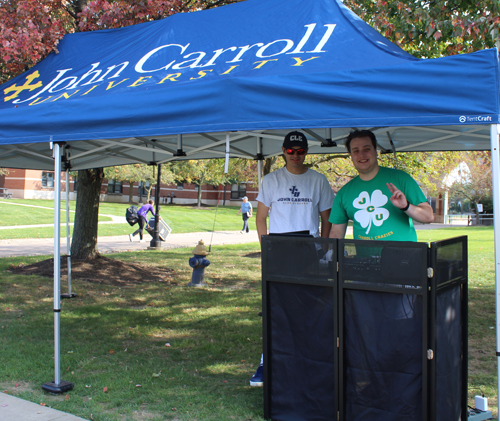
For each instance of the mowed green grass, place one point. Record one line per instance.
(166, 351)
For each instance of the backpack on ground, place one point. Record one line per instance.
(131, 215)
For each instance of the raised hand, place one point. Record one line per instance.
(398, 198)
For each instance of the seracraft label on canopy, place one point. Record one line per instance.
(151, 67)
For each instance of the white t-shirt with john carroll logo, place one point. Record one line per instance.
(295, 200)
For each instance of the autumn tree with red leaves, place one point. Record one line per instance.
(432, 29)
(29, 30)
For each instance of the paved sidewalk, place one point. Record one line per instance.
(15, 409)
(45, 246)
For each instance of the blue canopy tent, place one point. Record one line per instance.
(232, 81)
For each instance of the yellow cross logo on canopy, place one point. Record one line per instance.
(27, 86)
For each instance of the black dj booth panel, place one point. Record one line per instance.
(300, 328)
(364, 330)
(448, 322)
(382, 308)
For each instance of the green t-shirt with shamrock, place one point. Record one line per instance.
(368, 205)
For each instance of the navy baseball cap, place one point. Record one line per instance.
(293, 139)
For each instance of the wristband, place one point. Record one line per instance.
(406, 207)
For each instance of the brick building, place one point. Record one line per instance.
(34, 184)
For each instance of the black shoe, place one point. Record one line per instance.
(258, 378)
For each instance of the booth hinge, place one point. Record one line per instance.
(430, 272)
(337, 266)
(338, 342)
(430, 354)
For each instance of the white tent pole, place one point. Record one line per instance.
(68, 242)
(57, 261)
(57, 386)
(226, 163)
(495, 161)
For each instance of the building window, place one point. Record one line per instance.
(114, 186)
(180, 186)
(238, 191)
(48, 179)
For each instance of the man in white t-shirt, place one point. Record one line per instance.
(296, 199)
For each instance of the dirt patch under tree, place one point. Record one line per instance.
(100, 270)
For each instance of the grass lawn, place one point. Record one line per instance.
(180, 218)
(482, 339)
(165, 351)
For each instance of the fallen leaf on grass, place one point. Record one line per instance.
(105, 389)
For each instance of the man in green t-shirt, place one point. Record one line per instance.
(381, 202)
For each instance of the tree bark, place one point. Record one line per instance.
(268, 163)
(84, 242)
(198, 200)
(201, 181)
(131, 192)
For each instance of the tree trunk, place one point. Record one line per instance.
(84, 242)
(149, 192)
(268, 163)
(131, 192)
(199, 195)
(473, 205)
(201, 181)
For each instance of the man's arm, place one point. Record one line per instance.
(326, 225)
(261, 219)
(338, 231)
(420, 213)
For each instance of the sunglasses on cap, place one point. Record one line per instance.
(291, 151)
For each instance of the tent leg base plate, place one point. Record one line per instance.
(68, 295)
(57, 389)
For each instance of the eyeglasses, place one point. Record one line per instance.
(292, 151)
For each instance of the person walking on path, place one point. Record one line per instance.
(246, 212)
(143, 221)
(296, 199)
